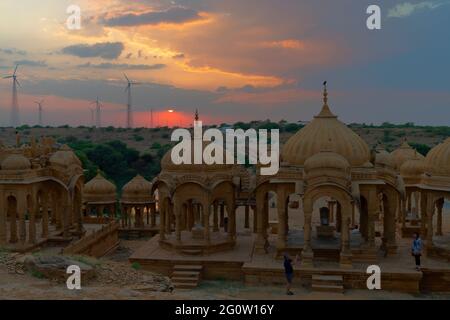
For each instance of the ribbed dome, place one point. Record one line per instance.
(326, 160)
(325, 129)
(384, 159)
(413, 167)
(438, 159)
(16, 162)
(137, 189)
(65, 157)
(99, 189)
(404, 153)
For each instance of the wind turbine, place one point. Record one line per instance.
(98, 107)
(39, 104)
(92, 115)
(15, 103)
(130, 83)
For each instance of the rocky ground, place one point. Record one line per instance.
(116, 279)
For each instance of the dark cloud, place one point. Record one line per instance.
(172, 15)
(123, 66)
(13, 51)
(31, 63)
(107, 50)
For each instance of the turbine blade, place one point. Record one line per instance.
(15, 69)
(18, 83)
(7, 77)
(126, 77)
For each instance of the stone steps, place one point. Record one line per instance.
(186, 276)
(327, 283)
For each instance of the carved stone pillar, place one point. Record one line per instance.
(162, 222)
(390, 207)
(255, 220)
(44, 220)
(372, 209)
(260, 242)
(215, 217)
(177, 209)
(429, 217)
(307, 252)
(281, 209)
(206, 213)
(247, 217)
(3, 220)
(190, 216)
(439, 206)
(33, 211)
(153, 215)
(423, 213)
(222, 214)
(232, 222)
(22, 208)
(345, 258)
(13, 215)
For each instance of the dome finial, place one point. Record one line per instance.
(325, 112)
(196, 115)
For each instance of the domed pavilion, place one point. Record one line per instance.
(41, 185)
(327, 166)
(190, 198)
(99, 198)
(431, 177)
(136, 200)
(413, 165)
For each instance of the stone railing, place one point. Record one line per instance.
(96, 244)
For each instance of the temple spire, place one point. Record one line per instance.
(196, 115)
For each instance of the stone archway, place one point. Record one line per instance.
(345, 200)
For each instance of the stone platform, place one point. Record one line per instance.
(242, 264)
(216, 266)
(190, 245)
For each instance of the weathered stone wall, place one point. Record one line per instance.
(96, 244)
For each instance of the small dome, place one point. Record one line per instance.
(384, 159)
(438, 159)
(138, 189)
(16, 162)
(325, 129)
(413, 167)
(99, 189)
(326, 160)
(65, 157)
(404, 153)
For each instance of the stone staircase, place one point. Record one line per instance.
(133, 235)
(327, 283)
(186, 276)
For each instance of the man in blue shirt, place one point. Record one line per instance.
(416, 249)
(289, 272)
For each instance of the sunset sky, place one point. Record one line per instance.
(232, 59)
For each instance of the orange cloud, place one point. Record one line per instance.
(285, 44)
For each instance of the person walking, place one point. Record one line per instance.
(289, 272)
(416, 249)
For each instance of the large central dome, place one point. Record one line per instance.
(325, 132)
